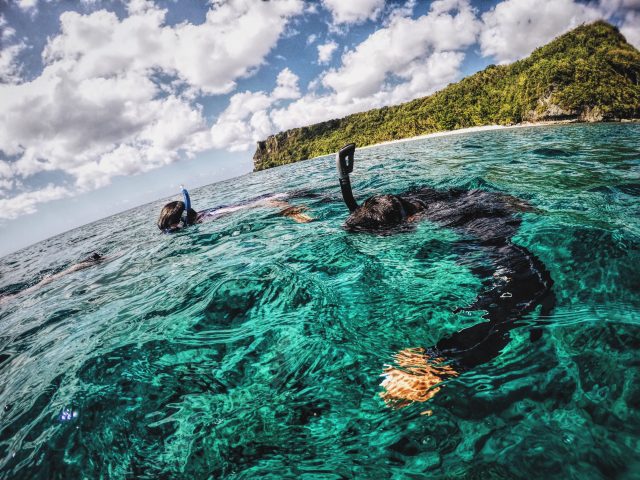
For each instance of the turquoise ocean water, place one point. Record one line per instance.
(253, 346)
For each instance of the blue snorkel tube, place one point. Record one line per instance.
(187, 206)
(344, 162)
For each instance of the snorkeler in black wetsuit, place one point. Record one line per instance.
(516, 280)
(177, 215)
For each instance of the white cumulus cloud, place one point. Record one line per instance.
(246, 120)
(6, 32)
(10, 69)
(27, 5)
(612, 7)
(631, 28)
(286, 86)
(413, 57)
(325, 52)
(353, 11)
(514, 28)
(117, 96)
(402, 49)
(235, 38)
(26, 203)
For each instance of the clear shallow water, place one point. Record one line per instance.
(253, 346)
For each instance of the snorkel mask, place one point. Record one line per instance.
(187, 206)
(344, 163)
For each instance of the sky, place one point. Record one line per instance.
(110, 104)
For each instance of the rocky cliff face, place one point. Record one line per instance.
(278, 147)
(590, 74)
(547, 111)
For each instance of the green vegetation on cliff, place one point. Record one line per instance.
(588, 74)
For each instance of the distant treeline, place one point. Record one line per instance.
(588, 74)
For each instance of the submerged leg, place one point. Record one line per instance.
(520, 282)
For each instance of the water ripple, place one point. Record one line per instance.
(254, 346)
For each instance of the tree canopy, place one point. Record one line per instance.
(588, 74)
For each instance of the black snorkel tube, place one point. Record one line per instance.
(344, 162)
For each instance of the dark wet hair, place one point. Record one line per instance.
(95, 257)
(378, 213)
(171, 214)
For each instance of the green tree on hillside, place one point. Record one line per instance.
(590, 73)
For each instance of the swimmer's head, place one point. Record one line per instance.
(171, 216)
(378, 213)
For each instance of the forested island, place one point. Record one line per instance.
(588, 74)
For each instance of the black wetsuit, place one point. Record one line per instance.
(515, 280)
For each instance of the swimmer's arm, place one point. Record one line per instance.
(215, 213)
(74, 268)
(295, 213)
(47, 280)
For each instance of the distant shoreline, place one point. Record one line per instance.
(485, 128)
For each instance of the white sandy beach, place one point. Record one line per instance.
(483, 128)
